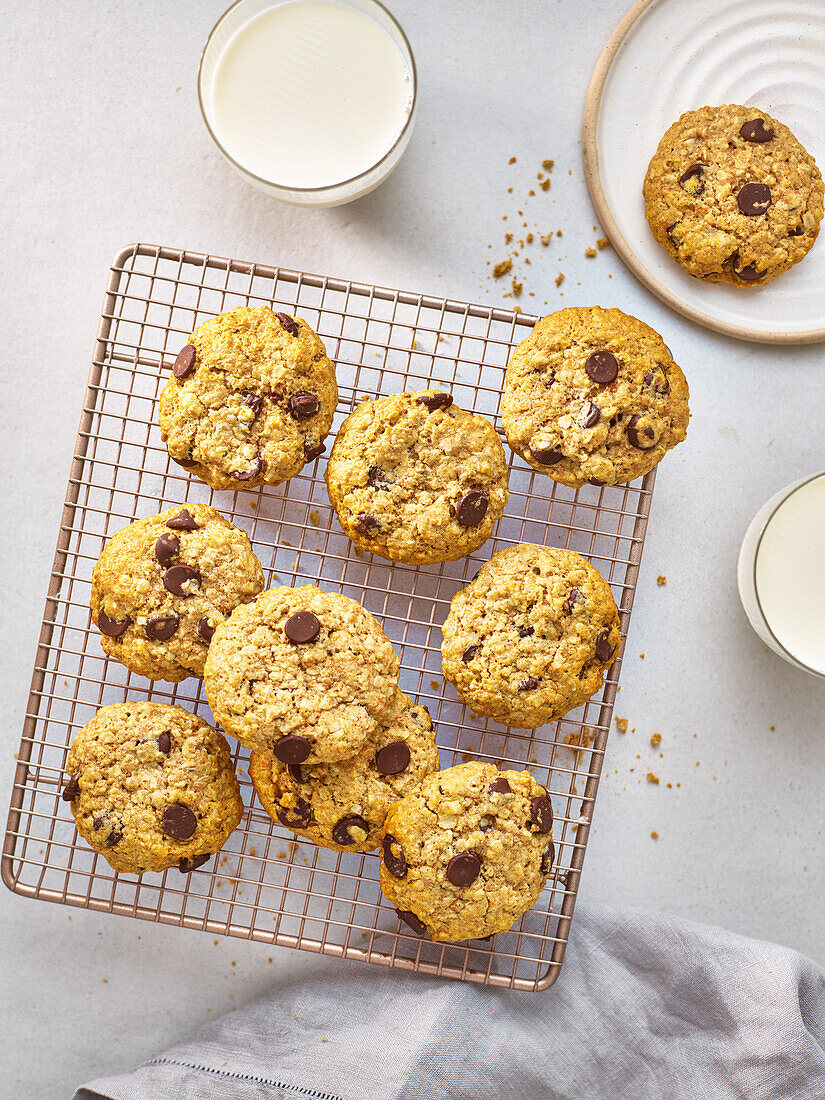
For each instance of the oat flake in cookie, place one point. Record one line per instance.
(733, 196)
(593, 395)
(163, 584)
(343, 805)
(249, 400)
(416, 479)
(467, 853)
(531, 637)
(151, 786)
(305, 674)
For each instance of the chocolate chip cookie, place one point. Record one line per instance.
(468, 852)
(163, 584)
(531, 637)
(151, 786)
(733, 196)
(343, 806)
(416, 479)
(593, 395)
(305, 674)
(250, 399)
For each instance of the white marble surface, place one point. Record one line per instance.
(103, 144)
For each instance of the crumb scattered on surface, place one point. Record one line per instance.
(651, 778)
(656, 739)
(654, 835)
(314, 518)
(530, 238)
(517, 288)
(517, 309)
(547, 165)
(621, 724)
(560, 278)
(512, 160)
(545, 185)
(641, 656)
(661, 579)
(602, 242)
(508, 237)
(546, 238)
(434, 685)
(503, 268)
(590, 253)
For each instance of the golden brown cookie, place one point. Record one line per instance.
(163, 584)
(416, 479)
(733, 196)
(250, 399)
(343, 806)
(151, 786)
(593, 395)
(468, 852)
(305, 674)
(531, 637)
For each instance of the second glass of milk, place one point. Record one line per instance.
(312, 101)
(782, 573)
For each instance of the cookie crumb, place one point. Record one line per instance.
(546, 238)
(641, 656)
(560, 278)
(545, 185)
(654, 835)
(314, 518)
(517, 288)
(547, 165)
(512, 160)
(590, 253)
(621, 724)
(530, 238)
(661, 579)
(651, 778)
(517, 309)
(602, 242)
(656, 740)
(508, 237)
(503, 268)
(434, 685)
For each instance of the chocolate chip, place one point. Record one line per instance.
(602, 366)
(178, 821)
(187, 463)
(183, 521)
(748, 274)
(470, 652)
(595, 480)
(525, 631)
(640, 435)
(114, 837)
(253, 471)
(408, 917)
(288, 323)
(528, 684)
(541, 813)
(161, 627)
(303, 405)
(165, 743)
(366, 524)
(295, 817)
(112, 628)
(548, 857)
(574, 596)
(657, 380)
(255, 402)
(592, 414)
(546, 456)
(292, 749)
(166, 549)
(433, 401)
(756, 130)
(696, 171)
(275, 396)
(471, 509)
(604, 649)
(99, 822)
(297, 772)
(464, 869)
(184, 362)
(186, 865)
(754, 199)
(393, 759)
(500, 786)
(176, 576)
(341, 830)
(395, 864)
(313, 450)
(797, 231)
(72, 788)
(302, 627)
(670, 236)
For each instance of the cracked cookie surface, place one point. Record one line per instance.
(416, 479)
(467, 853)
(151, 786)
(733, 196)
(531, 637)
(593, 395)
(343, 805)
(304, 673)
(250, 399)
(163, 584)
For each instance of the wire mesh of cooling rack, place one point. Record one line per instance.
(267, 884)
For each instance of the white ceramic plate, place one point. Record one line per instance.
(667, 57)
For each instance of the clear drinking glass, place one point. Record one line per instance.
(335, 194)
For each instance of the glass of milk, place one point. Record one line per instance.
(311, 101)
(782, 573)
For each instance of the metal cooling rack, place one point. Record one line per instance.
(267, 884)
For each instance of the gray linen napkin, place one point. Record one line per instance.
(647, 1007)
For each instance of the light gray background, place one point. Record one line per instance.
(103, 144)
